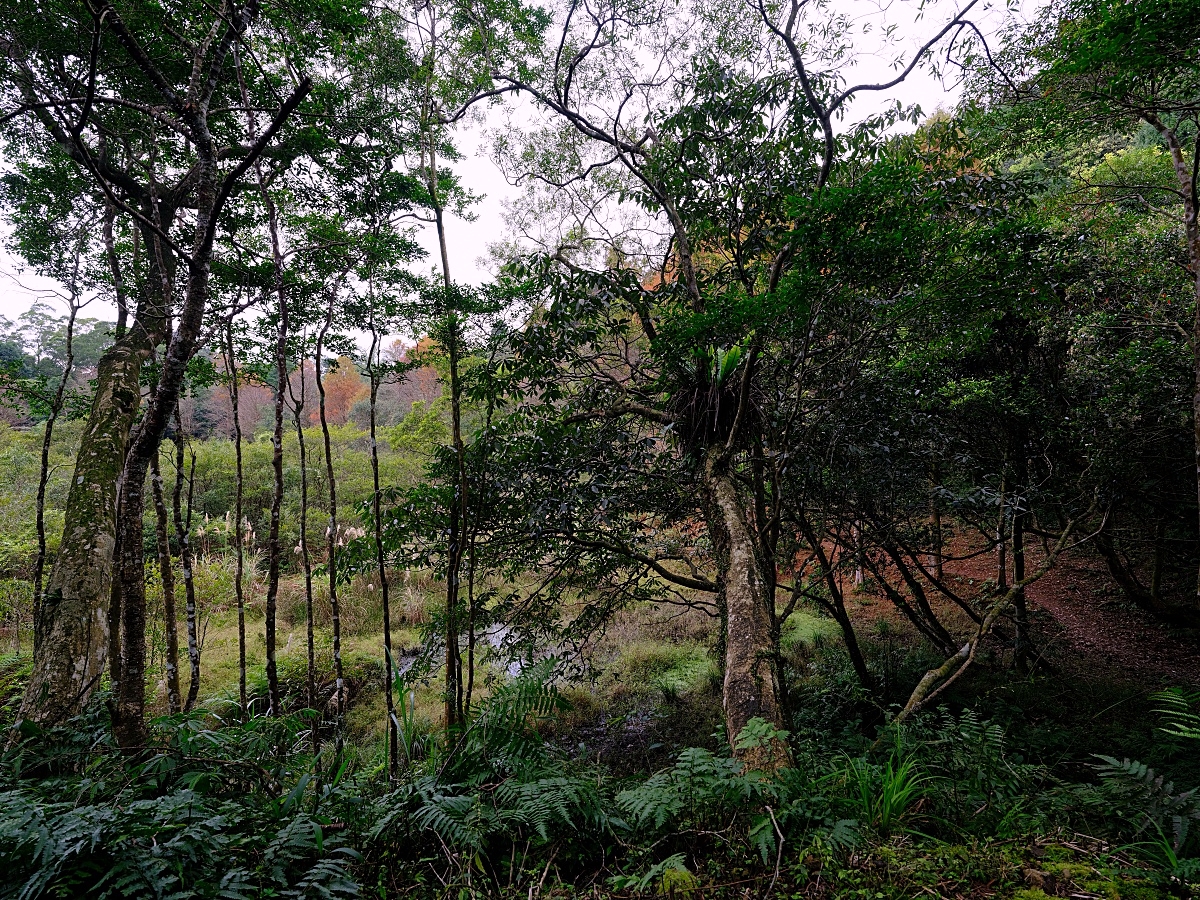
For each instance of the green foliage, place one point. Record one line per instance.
(499, 791)
(1178, 710)
(205, 814)
(980, 785)
(883, 794)
(1149, 801)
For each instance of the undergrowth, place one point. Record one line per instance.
(945, 808)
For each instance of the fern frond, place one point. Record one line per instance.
(1180, 718)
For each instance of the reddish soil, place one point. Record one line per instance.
(1095, 620)
(1080, 620)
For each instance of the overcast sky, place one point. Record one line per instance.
(469, 240)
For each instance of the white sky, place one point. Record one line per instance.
(469, 241)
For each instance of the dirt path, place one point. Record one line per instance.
(1080, 620)
(1093, 620)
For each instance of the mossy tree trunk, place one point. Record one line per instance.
(72, 627)
(750, 689)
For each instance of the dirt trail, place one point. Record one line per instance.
(1080, 619)
(1094, 620)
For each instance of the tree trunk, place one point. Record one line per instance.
(274, 545)
(72, 627)
(1183, 616)
(306, 561)
(454, 681)
(935, 515)
(239, 564)
(274, 548)
(751, 687)
(1022, 643)
(453, 706)
(1002, 536)
(381, 561)
(167, 575)
(837, 605)
(1020, 607)
(129, 690)
(331, 532)
(183, 530)
(130, 694)
(56, 405)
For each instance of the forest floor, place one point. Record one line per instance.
(1080, 621)
(1097, 623)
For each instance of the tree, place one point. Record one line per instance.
(659, 378)
(1100, 65)
(144, 123)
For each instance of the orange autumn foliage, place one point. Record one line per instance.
(344, 387)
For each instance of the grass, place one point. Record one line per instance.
(806, 629)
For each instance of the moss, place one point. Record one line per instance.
(1136, 890)
(1054, 853)
(1031, 894)
(678, 882)
(1070, 871)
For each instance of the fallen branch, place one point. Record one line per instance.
(934, 682)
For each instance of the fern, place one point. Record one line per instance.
(1176, 708)
(1151, 798)
(638, 883)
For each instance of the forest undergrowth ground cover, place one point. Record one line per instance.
(1060, 783)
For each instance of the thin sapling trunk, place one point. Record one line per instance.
(167, 576)
(239, 596)
(331, 532)
(56, 405)
(183, 530)
(381, 561)
(305, 559)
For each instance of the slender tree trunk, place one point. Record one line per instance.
(837, 597)
(472, 536)
(56, 405)
(182, 537)
(1021, 645)
(935, 515)
(453, 707)
(114, 267)
(1020, 607)
(305, 559)
(934, 626)
(381, 561)
(856, 536)
(167, 575)
(238, 590)
(1002, 535)
(274, 548)
(274, 543)
(751, 688)
(331, 532)
(454, 554)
